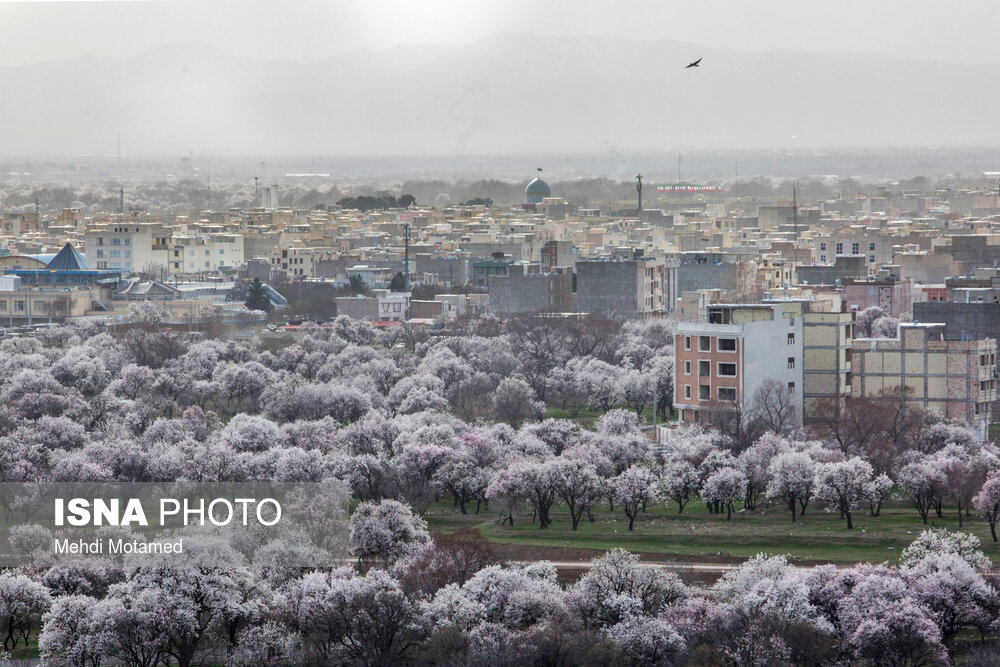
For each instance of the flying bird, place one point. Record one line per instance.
(694, 64)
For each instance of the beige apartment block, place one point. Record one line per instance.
(826, 362)
(956, 379)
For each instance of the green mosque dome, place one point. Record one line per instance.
(536, 191)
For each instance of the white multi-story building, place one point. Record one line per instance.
(722, 364)
(206, 253)
(295, 262)
(132, 246)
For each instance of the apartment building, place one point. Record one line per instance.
(296, 262)
(895, 297)
(131, 246)
(826, 362)
(211, 252)
(723, 362)
(519, 292)
(875, 246)
(627, 288)
(957, 379)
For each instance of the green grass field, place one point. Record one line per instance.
(586, 417)
(697, 535)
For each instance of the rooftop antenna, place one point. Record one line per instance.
(121, 201)
(36, 208)
(638, 189)
(256, 195)
(678, 167)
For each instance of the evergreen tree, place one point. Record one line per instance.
(358, 284)
(257, 298)
(398, 283)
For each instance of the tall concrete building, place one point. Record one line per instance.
(722, 363)
(826, 362)
(956, 379)
(628, 288)
(132, 246)
(524, 293)
(965, 321)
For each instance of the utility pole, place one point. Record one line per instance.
(795, 210)
(406, 258)
(638, 189)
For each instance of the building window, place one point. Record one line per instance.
(3, 305)
(727, 394)
(791, 339)
(704, 392)
(100, 240)
(791, 388)
(791, 362)
(128, 241)
(687, 342)
(704, 344)
(116, 241)
(822, 259)
(840, 248)
(687, 367)
(855, 248)
(822, 246)
(726, 344)
(727, 370)
(871, 258)
(19, 306)
(687, 391)
(704, 369)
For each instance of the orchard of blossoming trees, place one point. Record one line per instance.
(409, 419)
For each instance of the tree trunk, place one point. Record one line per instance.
(729, 511)
(792, 506)
(850, 524)
(993, 530)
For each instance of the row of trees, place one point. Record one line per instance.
(451, 601)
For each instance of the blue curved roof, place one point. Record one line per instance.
(43, 258)
(538, 187)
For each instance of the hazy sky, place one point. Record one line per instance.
(962, 31)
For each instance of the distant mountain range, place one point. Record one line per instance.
(511, 93)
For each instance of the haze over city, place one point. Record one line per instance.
(401, 78)
(499, 333)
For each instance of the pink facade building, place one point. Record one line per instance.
(895, 297)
